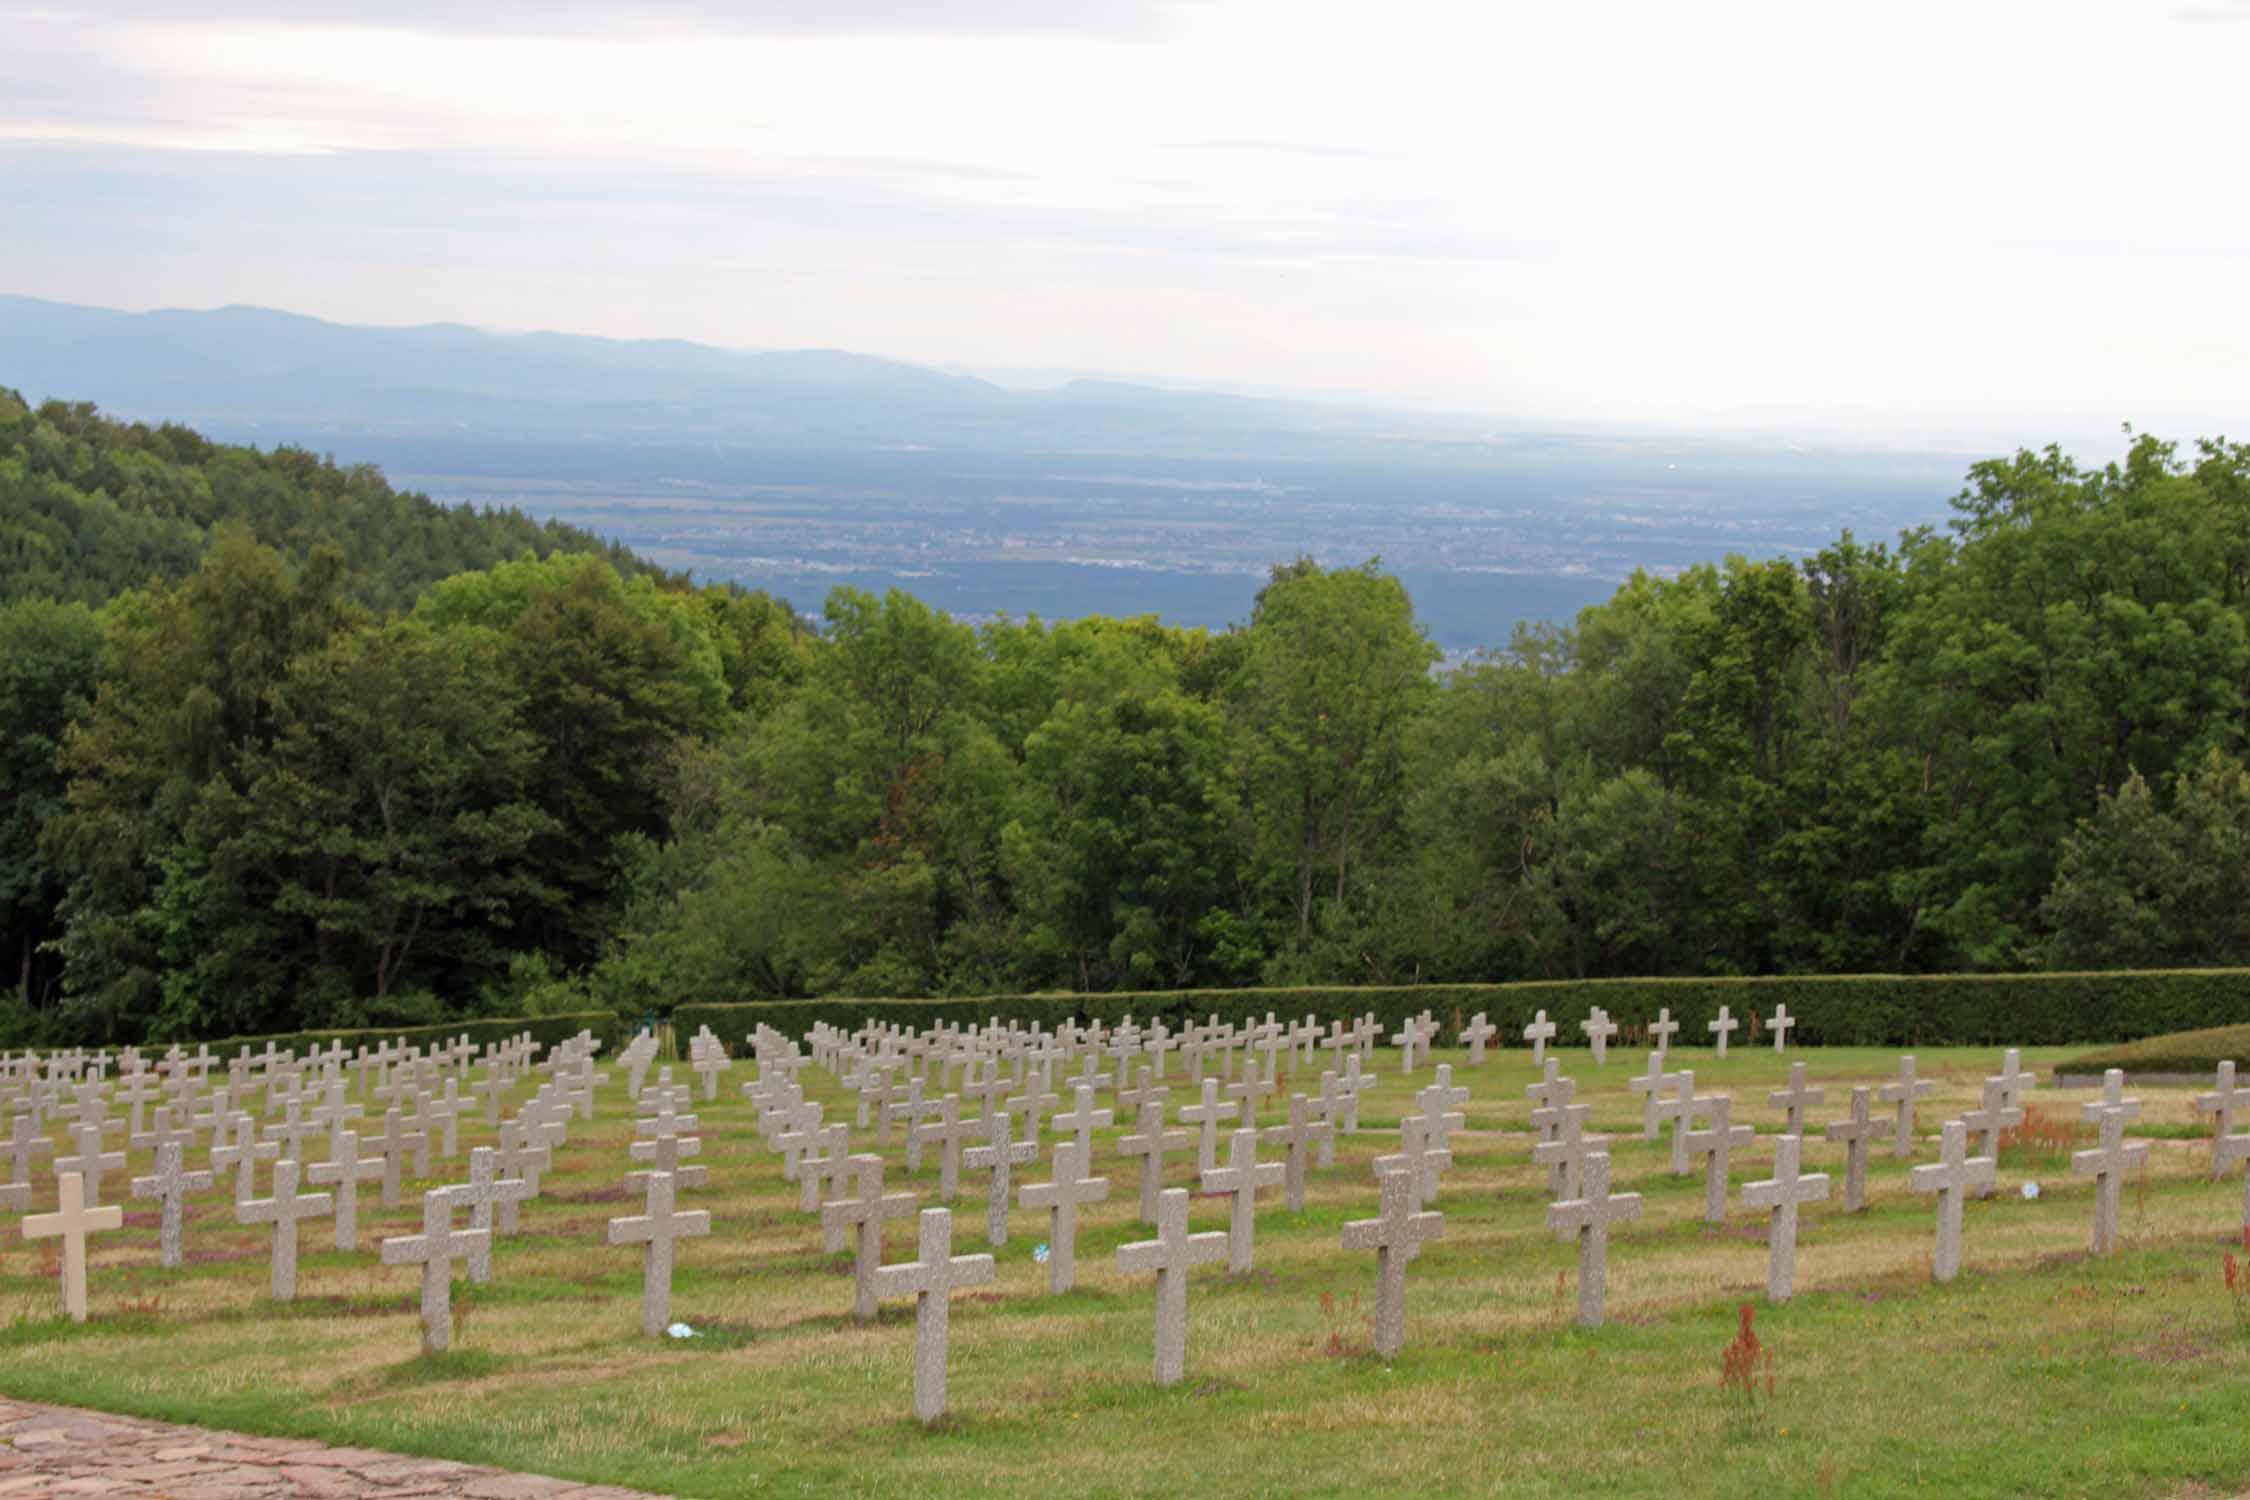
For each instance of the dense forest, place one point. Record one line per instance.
(285, 747)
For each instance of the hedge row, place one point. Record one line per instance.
(545, 1030)
(2184, 1052)
(1857, 1010)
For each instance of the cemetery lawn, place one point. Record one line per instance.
(2041, 1371)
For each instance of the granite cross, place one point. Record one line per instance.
(1440, 1104)
(1170, 1255)
(1589, 1218)
(1781, 1193)
(1794, 1099)
(1662, 1030)
(1150, 1144)
(1599, 1028)
(2113, 1097)
(283, 1210)
(394, 1143)
(1394, 1236)
(2107, 1163)
(1651, 1085)
(485, 1190)
(1206, 1117)
(947, 1132)
(1301, 1133)
(1061, 1198)
(1083, 1120)
(1540, 1032)
(170, 1187)
(92, 1161)
(434, 1250)
(2221, 1106)
(1000, 1152)
(1779, 1025)
(1722, 1028)
(1993, 1118)
(930, 1279)
(1716, 1145)
(1240, 1180)
(1950, 1177)
(1856, 1133)
(1477, 1033)
(656, 1231)
(1904, 1094)
(864, 1214)
(345, 1170)
(1564, 1157)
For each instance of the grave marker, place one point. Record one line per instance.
(1589, 1218)
(1394, 1236)
(930, 1279)
(1950, 1177)
(1170, 1255)
(1781, 1193)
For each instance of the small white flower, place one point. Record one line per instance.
(2031, 1190)
(1040, 1253)
(680, 1331)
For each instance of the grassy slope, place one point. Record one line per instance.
(2180, 1052)
(2039, 1372)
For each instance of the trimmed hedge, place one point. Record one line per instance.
(1848, 1010)
(2181, 1052)
(545, 1030)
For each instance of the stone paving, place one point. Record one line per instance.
(50, 1452)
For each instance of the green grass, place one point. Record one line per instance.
(2040, 1372)
(2180, 1052)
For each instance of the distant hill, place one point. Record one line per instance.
(239, 371)
(90, 507)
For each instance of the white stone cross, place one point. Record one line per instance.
(1904, 1094)
(930, 1279)
(435, 1250)
(1206, 1117)
(1061, 1198)
(1547, 1096)
(657, 1230)
(1395, 1236)
(1083, 1120)
(1661, 1031)
(2113, 1097)
(1651, 1085)
(1300, 1135)
(485, 1191)
(666, 1146)
(1995, 1117)
(1781, 1193)
(948, 1132)
(1539, 1033)
(1599, 1028)
(1722, 1028)
(1416, 1154)
(20, 1145)
(827, 1172)
(1240, 1180)
(1247, 1091)
(1170, 1255)
(1794, 1099)
(282, 1211)
(1150, 1144)
(345, 1170)
(1857, 1133)
(1716, 1145)
(1477, 1033)
(1679, 1111)
(1779, 1025)
(71, 1222)
(170, 1187)
(2014, 1080)
(2221, 1106)
(1441, 1105)
(864, 1213)
(1950, 1177)
(520, 1158)
(1000, 1152)
(1564, 1157)
(1589, 1218)
(394, 1144)
(2107, 1163)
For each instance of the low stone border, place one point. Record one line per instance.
(2136, 1080)
(57, 1451)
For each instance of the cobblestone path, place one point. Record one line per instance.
(49, 1452)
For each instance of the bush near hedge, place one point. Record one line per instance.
(2182, 1052)
(545, 1030)
(1849, 1010)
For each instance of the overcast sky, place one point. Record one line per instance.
(1973, 214)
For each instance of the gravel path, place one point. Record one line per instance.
(58, 1451)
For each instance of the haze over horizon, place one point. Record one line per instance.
(1931, 219)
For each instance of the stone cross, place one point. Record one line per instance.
(20, 1145)
(1083, 1120)
(1240, 1180)
(1950, 1177)
(1680, 1111)
(1661, 1031)
(930, 1279)
(1394, 1237)
(1904, 1094)
(1000, 1152)
(283, 1210)
(1247, 1091)
(1993, 1118)
(1477, 1033)
(657, 1230)
(864, 1214)
(665, 1150)
(2107, 1164)
(2221, 1106)
(1651, 1085)
(170, 1187)
(1779, 1025)
(485, 1191)
(1781, 1193)
(91, 1161)
(1564, 1157)
(1856, 1133)
(520, 1158)
(1589, 1218)
(1206, 1116)
(394, 1144)
(1061, 1198)
(947, 1131)
(435, 1250)
(346, 1169)
(1417, 1154)
(1716, 1144)
(1599, 1028)
(71, 1222)
(826, 1172)
(1300, 1134)
(1539, 1033)
(1150, 1145)
(1548, 1096)
(1146, 1091)
(2230, 1150)
(1794, 1099)
(293, 1130)
(1721, 1028)
(1440, 1105)
(2113, 1097)
(1170, 1255)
